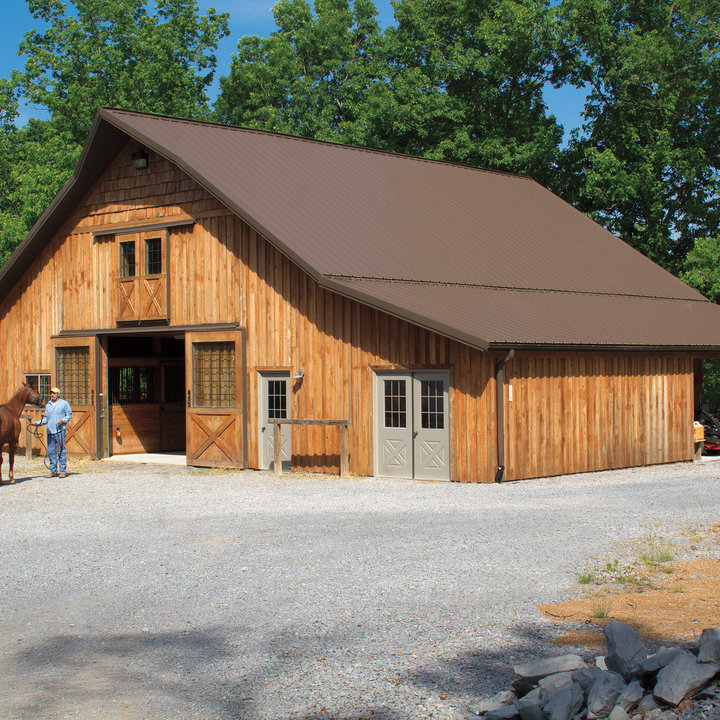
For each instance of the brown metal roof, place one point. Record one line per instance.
(515, 318)
(489, 258)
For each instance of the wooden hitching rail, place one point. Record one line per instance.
(277, 440)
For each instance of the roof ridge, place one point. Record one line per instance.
(315, 141)
(486, 286)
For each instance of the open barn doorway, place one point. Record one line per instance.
(146, 390)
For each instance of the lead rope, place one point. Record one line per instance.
(36, 432)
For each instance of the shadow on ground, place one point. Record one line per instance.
(140, 675)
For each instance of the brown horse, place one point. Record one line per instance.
(10, 423)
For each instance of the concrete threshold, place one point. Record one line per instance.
(169, 458)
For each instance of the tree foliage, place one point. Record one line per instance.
(116, 54)
(459, 80)
(647, 160)
(99, 53)
(466, 84)
(312, 76)
(454, 80)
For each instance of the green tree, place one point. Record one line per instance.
(701, 267)
(38, 157)
(701, 270)
(112, 52)
(102, 52)
(466, 84)
(454, 80)
(646, 162)
(311, 77)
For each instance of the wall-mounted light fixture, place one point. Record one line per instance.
(140, 160)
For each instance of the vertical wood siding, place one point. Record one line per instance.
(570, 412)
(579, 412)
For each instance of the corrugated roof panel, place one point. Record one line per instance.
(349, 211)
(518, 317)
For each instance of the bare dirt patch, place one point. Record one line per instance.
(667, 602)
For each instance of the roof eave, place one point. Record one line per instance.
(604, 347)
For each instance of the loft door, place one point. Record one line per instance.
(214, 413)
(274, 404)
(412, 428)
(75, 376)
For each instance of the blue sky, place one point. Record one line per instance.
(247, 17)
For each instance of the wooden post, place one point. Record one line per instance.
(699, 445)
(277, 441)
(344, 460)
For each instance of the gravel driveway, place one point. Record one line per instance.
(158, 592)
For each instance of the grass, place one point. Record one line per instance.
(657, 554)
(632, 571)
(601, 608)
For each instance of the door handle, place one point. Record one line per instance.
(415, 434)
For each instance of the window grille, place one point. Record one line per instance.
(133, 385)
(432, 413)
(153, 256)
(214, 374)
(41, 383)
(277, 399)
(74, 379)
(127, 258)
(395, 404)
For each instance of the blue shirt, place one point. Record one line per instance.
(57, 415)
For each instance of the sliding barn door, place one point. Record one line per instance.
(214, 422)
(75, 375)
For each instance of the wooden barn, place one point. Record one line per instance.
(193, 281)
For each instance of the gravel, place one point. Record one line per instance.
(139, 591)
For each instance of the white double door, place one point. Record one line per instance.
(412, 428)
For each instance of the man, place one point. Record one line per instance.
(56, 417)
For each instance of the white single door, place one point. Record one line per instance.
(430, 427)
(412, 427)
(274, 403)
(394, 427)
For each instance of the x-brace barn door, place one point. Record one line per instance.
(75, 375)
(214, 417)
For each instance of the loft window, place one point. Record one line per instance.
(153, 256)
(127, 258)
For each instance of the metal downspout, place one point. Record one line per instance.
(500, 414)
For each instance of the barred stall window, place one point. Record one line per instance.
(74, 379)
(214, 374)
(133, 385)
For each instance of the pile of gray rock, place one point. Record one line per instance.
(677, 683)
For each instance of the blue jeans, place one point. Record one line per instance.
(56, 450)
